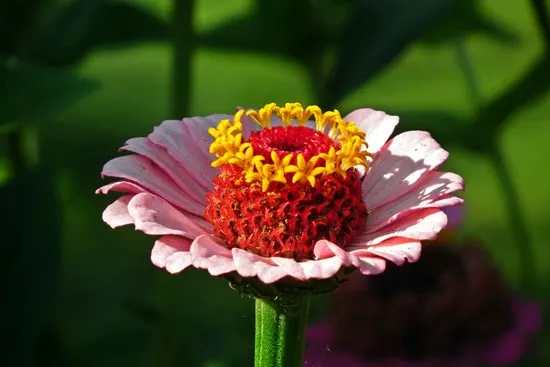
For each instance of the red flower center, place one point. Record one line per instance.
(292, 139)
(291, 217)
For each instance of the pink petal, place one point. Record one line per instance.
(188, 142)
(397, 250)
(377, 125)
(180, 175)
(154, 216)
(121, 186)
(399, 165)
(507, 350)
(143, 172)
(528, 316)
(422, 224)
(290, 267)
(329, 258)
(251, 265)
(270, 270)
(198, 145)
(174, 136)
(325, 249)
(207, 254)
(368, 264)
(323, 268)
(431, 192)
(178, 262)
(172, 253)
(116, 214)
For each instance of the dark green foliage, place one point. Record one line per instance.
(29, 92)
(29, 263)
(466, 18)
(375, 34)
(87, 25)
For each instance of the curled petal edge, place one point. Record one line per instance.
(206, 252)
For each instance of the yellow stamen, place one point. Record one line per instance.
(230, 148)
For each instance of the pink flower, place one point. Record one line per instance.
(450, 309)
(271, 194)
(455, 216)
(506, 349)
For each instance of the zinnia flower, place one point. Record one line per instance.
(451, 308)
(282, 192)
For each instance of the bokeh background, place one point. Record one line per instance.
(79, 77)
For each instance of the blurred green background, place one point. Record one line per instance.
(80, 77)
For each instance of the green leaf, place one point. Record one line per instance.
(29, 263)
(31, 92)
(376, 33)
(448, 129)
(17, 22)
(477, 135)
(298, 30)
(534, 85)
(84, 26)
(60, 41)
(121, 23)
(466, 19)
(249, 33)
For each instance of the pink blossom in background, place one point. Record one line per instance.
(295, 192)
(450, 309)
(506, 350)
(455, 216)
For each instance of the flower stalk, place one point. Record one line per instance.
(516, 221)
(540, 8)
(281, 331)
(22, 145)
(183, 47)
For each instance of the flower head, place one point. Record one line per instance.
(287, 187)
(451, 308)
(283, 192)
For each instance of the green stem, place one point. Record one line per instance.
(468, 73)
(540, 7)
(318, 76)
(183, 46)
(516, 221)
(281, 332)
(22, 144)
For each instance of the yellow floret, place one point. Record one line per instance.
(230, 148)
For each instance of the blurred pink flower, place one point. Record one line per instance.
(254, 195)
(455, 216)
(450, 309)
